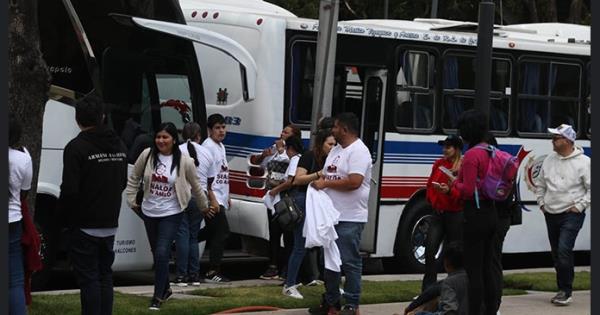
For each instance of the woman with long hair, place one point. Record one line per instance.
(169, 181)
(481, 219)
(446, 222)
(307, 171)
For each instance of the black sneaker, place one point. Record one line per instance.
(349, 310)
(270, 274)
(215, 277)
(561, 298)
(154, 305)
(180, 281)
(193, 279)
(324, 308)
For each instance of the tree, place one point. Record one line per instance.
(28, 79)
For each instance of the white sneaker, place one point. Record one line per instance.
(292, 292)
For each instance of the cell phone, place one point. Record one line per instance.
(436, 184)
(447, 172)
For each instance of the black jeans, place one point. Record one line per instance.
(215, 232)
(92, 259)
(562, 232)
(479, 230)
(497, 276)
(279, 257)
(443, 226)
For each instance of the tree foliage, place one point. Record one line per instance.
(513, 11)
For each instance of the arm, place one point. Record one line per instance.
(540, 187)
(282, 187)
(352, 182)
(133, 182)
(69, 188)
(465, 186)
(27, 177)
(192, 177)
(584, 202)
(304, 178)
(429, 294)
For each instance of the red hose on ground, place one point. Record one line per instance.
(244, 309)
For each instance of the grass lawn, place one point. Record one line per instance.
(226, 298)
(545, 281)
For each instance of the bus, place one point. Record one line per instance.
(408, 82)
(143, 61)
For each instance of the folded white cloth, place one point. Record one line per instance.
(270, 201)
(319, 226)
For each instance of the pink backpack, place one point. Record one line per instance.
(499, 180)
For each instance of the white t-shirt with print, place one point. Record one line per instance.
(204, 168)
(291, 169)
(20, 172)
(341, 162)
(162, 199)
(220, 169)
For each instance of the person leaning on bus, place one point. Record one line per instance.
(446, 222)
(169, 180)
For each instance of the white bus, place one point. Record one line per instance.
(139, 66)
(408, 81)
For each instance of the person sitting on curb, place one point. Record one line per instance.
(449, 296)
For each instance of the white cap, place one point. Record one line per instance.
(565, 131)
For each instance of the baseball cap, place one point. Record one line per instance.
(452, 140)
(565, 131)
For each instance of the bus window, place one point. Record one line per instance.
(415, 95)
(548, 95)
(459, 91)
(175, 99)
(303, 58)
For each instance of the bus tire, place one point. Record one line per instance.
(409, 245)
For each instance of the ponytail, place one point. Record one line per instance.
(192, 151)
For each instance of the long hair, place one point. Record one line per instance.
(457, 160)
(296, 132)
(170, 128)
(320, 136)
(472, 127)
(295, 143)
(190, 131)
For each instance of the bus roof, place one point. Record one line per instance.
(241, 6)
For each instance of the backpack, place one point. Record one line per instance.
(499, 180)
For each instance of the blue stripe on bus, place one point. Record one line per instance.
(395, 152)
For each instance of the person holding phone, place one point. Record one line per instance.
(447, 220)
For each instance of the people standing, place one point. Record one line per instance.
(481, 219)
(169, 181)
(20, 173)
(346, 180)
(186, 243)
(93, 178)
(216, 230)
(275, 161)
(563, 191)
(446, 223)
(309, 169)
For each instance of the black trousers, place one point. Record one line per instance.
(215, 232)
(497, 277)
(278, 256)
(443, 226)
(480, 228)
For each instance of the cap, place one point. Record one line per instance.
(565, 131)
(452, 140)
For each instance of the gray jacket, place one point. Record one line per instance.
(454, 298)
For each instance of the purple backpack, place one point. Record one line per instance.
(499, 180)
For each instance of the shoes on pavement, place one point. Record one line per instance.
(292, 292)
(193, 279)
(154, 305)
(271, 273)
(215, 277)
(349, 310)
(180, 281)
(324, 308)
(561, 298)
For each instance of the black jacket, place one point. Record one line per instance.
(94, 176)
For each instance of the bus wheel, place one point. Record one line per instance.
(409, 247)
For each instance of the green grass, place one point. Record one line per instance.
(545, 281)
(225, 298)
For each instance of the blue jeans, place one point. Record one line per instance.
(298, 251)
(562, 232)
(92, 259)
(161, 234)
(348, 242)
(186, 243)
(16, 280)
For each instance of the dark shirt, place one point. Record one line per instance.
(453, 295)
(309, 163)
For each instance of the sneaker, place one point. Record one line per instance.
(349, 310)
(271, 273)
(193, 279)
(180, 281)
(314, 283)
(215, 277)
(167, 295)
(154, 305)
(292, 292)
(561, 298)
(324, 308)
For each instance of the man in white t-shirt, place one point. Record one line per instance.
(217, 228)
(346, 180)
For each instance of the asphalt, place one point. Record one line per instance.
(533, 303)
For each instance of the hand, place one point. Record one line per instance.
(543, 209)
(574, 210)
(209, 212)
(136, 209)
(215, 206)
(228, 204)
(267, 152)
(279, 145)
(444, 188)
(272, 193)
(319, 184)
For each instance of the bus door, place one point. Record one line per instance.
(372, 120)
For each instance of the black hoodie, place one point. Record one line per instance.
(94, 176)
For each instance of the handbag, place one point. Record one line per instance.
(287, 214)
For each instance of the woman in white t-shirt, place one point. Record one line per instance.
(169, 181)
(19, 182)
